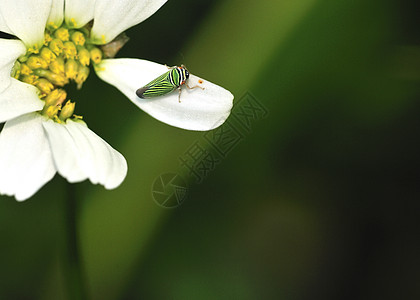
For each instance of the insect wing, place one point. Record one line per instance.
(160, 86)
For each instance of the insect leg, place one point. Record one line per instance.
(195, 86)
(179, 95)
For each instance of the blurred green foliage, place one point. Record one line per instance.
(319, 200)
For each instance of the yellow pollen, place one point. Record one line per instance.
(63, 57)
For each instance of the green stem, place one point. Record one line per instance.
(74, 275)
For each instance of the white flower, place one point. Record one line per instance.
(55, 44)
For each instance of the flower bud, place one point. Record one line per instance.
(78, 38)
(96, 55)
(47, 55)
(67, 110)
(57, 66)
(62, 34)
(82, 76)
(25, 70)
(69, 50)
(57, 79)
(47, 38)
(56, 97)
(44, 85)
(71, 68)
(51, 111)
(31, 79)
(84, 56)
(36, 62)
(56, 46)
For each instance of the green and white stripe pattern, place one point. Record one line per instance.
(164, 84)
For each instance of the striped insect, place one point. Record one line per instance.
(166, 83)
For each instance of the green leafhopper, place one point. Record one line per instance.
(166, 83)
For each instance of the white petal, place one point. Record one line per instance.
(10, 50)
(78, 13)
(56, 14)
(199, 109)
(113, 17)
(26, 162)
(65, 152)
(3, 25)
(79, 154)
(26, 19)
(18, 99)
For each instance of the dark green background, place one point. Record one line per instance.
(319, 201)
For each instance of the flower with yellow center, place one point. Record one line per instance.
(56, 44)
